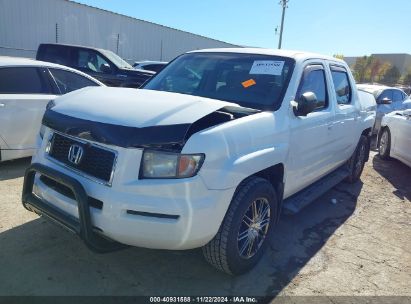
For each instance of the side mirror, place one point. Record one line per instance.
(305, 104)
(385, 100)
(105, 68)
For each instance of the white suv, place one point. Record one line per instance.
(208, 154)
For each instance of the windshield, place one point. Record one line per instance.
(253, 81)
(117, 60)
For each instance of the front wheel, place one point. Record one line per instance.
(384, 145)
(246, 228)
(357, 161)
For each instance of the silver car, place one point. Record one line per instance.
(388, 99)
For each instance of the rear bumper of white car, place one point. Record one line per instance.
(161, 214)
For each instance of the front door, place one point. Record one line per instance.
(311, 145)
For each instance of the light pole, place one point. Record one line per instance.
(283, 3)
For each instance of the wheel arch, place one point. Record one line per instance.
(275, 176)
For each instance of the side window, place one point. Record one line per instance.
(313, 80)
(397, 96)
(341, 85)
(90, 60)
(385, 94)
(23, 80)
(55, 54)
(68, 81)
(154, 67)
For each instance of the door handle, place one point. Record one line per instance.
(330, 126)
(2, 105)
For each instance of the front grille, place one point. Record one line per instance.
(95, 161)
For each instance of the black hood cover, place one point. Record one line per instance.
(169, 137)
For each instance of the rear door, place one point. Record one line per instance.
(24, 94)
(311, 145)
(347, 114)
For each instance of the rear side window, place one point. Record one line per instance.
(341, 85)
(68, 81)
(23, 80)
(55, 54)
(313, 80)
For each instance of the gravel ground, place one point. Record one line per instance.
(358, 246)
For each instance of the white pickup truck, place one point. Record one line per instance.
(208, 154)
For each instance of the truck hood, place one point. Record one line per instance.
(132, 118)
(135, 108)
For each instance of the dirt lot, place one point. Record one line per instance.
(359, 246)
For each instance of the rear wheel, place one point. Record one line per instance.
(358, 159)
(384, 145)
(246, 228)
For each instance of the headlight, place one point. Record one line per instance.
(170, 165)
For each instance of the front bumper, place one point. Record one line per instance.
(158, 214)
(81, 225)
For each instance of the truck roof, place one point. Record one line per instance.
(297, 55)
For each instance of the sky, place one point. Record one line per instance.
(347, 27)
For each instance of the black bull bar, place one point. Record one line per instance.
(81, 226)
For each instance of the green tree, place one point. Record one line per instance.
(359, 68)
(407, 79)
(339, 56)
(392, 76)
(370, 69)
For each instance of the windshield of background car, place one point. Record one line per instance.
(118, 61)
(250, 80)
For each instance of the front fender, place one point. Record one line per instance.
(239, 148)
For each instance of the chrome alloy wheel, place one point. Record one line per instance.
(254, 228)
(383, 142)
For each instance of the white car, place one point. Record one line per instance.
(406, 104)
(388, 99)
(208, 154)
(26, 86)
(395, 136)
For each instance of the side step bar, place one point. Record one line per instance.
(298, 201)
(81, 226)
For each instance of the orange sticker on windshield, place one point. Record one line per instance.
(248, 83)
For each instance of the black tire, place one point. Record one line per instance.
(384, 144)
(223, 250)
(357, 161)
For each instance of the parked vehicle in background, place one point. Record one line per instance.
(368, 106)
(154, 66)
(394, 138)
(388, 99)
(406, 104)
(26, 86)
(103, 65)
(208, 154)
